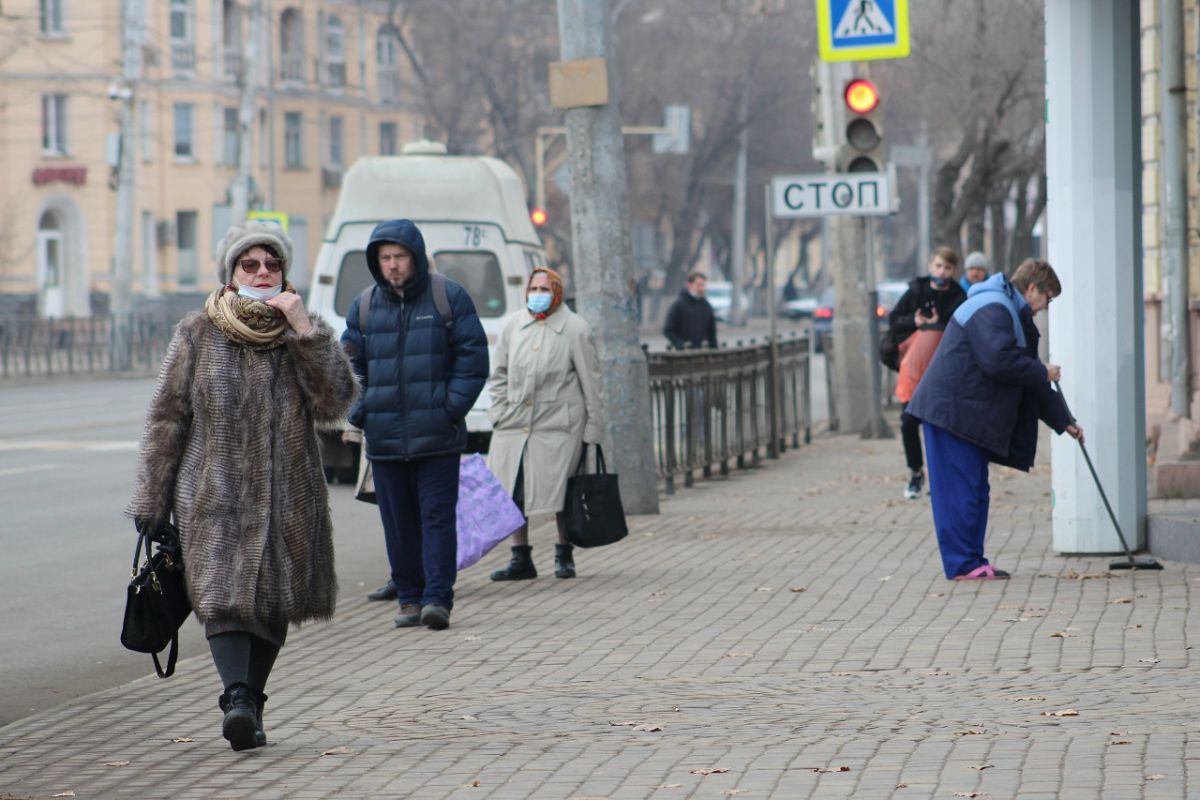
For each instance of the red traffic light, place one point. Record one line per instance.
(861, 96)
(538, 217)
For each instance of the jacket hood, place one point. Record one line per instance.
(999, 283)
(404, 232)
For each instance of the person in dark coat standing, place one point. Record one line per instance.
(980, 401)
(690, 320)
(420, 376)
(925, 309)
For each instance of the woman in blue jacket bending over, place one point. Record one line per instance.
(980, 401)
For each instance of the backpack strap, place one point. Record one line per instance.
(437, 284)
(364, 307)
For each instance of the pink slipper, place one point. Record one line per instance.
(985, 573)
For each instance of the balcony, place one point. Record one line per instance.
(183, 58)
(291, 68)
(232, 64)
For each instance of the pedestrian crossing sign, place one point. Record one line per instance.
(862, 30)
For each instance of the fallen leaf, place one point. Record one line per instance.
(470, 718)
(471, 785)
(1149, 660)
(798, 589)
(981, 767)
(1133, 627)
(337, 751)
(970, 794)
(737, 655)
(183, 740)
(1029, 698)
(732, 792)
(631, 724)
(763, 589)
(1061, 635)
(901, 785)
(1118, 733)
(937, 594)
(1119, 741)
(1014, 619)
(115, 764)
(67, 793)
(472, 638)
(710, 771)
(649, 727)
(886, 578)
(971, 732)
(1062, 712)
(1158, 776)
(669, 785)
(829, 769)
(658, 594)
(1120, 601)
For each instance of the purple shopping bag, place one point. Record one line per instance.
(486, 513)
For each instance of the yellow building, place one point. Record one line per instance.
(328, 87)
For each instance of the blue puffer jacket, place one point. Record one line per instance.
(419, 378)
(985, 384)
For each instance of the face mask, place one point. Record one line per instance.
(939, 282)
(539, 302)
(261, 295)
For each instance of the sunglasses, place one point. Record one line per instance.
(251, 265)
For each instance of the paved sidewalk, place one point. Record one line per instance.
(785, 633)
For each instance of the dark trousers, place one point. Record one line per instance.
(417, 501)
(959, 493)
(910, 434)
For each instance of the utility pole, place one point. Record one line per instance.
(1177, 355)
(248, 72)
(737, 255)
(603, 256)
(121, 304)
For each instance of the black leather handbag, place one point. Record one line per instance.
(156, 601)
(595, 516)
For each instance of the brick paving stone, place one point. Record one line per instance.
(692, 623)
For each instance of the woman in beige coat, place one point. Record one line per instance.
(545, 392)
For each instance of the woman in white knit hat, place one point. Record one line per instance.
(230, 452)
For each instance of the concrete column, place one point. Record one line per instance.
(1094, 218)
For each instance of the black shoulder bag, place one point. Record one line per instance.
(156, 602)
(595, 516)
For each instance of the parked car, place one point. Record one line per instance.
(800, 307)
(720, 296)
(888, 294)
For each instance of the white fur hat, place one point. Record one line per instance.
(242, 237)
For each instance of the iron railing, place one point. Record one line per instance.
(36, 346)
(714, 407)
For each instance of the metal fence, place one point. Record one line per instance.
(714, 407)
(35, 346)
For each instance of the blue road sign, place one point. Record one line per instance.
(862, 30)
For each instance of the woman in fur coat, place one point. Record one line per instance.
(230, 451)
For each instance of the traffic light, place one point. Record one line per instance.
(538, 217)
(862, 146)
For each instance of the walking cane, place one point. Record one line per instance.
(1130, 562)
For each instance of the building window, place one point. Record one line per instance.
(185, 131)
(337, 142)
(187, 267)
(291, 46)
(386, 72)
(54, 124)
(183, 49)
(387, 139)
(146, 130)
(264, 144)
(230, 140)
(293, 140)
(50, 17)
(231, 39)
(335, 52)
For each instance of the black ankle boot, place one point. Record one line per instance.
(241, 716)
(520, 568)
(260, 733)
(564, 561)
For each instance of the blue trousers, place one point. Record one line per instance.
(959, 492)
(417, 502)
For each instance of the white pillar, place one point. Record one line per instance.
(1093, 164)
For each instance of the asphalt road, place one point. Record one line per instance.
(67, 457)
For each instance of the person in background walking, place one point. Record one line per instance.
(230, 450)
(690, 319)
(420, 374)
(545, 391)
(980, 401)
(975, 270)
(917, 321)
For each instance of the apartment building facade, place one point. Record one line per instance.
(327, 84)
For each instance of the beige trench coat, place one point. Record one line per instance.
(545, 392)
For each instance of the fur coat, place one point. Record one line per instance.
(230, 449)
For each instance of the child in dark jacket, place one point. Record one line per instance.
(980, 401)
(918, 321)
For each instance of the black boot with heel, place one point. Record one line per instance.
(520, 568)
(564, 561)
(240, 725)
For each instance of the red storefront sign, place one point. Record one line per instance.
(76, 176)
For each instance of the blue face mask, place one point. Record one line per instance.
(539, 302)
(939, 282)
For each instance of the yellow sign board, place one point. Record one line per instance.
(278, 217)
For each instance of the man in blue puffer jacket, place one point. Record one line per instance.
(979, 401)
(420, 375)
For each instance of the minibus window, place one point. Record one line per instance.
(353, 277)
(478, 272)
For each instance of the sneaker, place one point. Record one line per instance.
(985, 573)
(435, 617)
(409, 616)
(385, 592)
(915, 482)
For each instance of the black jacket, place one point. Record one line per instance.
(921, 296)
(419, 377)
(690, 323)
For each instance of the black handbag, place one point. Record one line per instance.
(595, 516)
(156, 602)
